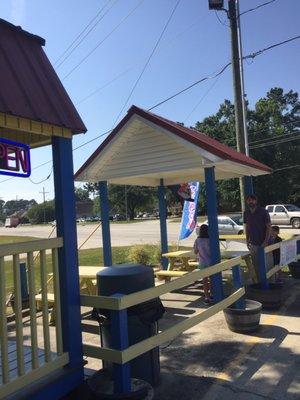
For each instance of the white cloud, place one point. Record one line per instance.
(17, 11)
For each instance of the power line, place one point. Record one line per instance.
(289, 167)
(190, 87)
(267, 139)
(251, 56)
(134, 65)
(256, 8)
(104, 86)
(219, 19)
(43, 180)
(81, 33)
(174, 95)
(148, 59)
(102, 40)
(258, 146)
(202, 98)
(259, 52)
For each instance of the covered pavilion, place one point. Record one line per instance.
(148, 150)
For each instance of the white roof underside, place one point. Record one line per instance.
(142, 153)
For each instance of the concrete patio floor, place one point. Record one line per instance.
(210, 362)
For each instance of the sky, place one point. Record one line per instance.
(195, 44)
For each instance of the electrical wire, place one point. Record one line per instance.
(104, 86)
(259, 52)
(44, 180)
(173, 96)
(148, 60)
(289, 167)
(102, 40)
(267, 139)
(202, 98)
(88, 32)
(256, 8)
(81, 33)
(219, 19)
(258, 146)
(251, 56)
(190, 87)
(175, 38)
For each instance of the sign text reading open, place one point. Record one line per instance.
(14, 158)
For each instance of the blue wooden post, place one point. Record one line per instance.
(237, 283)
(262, 268)
(212, 213)
(119, 341)
(24, 285)
(298, 246)
(67, 255)
(104, 207)
(248, 185)
(163, 221)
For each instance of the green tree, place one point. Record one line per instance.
(139, 198)
(275, 115)
(36, 213)
(81, 194)
(13, 206)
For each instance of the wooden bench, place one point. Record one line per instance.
(167, 275)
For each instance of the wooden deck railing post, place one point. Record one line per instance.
(105, 225)
(163, 222)
(119, 340)
(67, 255)
(3, 325)
(262, 268)
(237, 283)
(212, 214)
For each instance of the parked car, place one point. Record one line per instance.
(284, 214)
(119, 217)
(232, 224)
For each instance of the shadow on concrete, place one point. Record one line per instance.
(185, 366)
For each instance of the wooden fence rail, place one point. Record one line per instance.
(43, 359)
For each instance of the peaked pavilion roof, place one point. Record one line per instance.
(144, 148)
(30, 87)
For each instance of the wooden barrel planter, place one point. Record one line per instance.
(294, 268)
(244, 320)
(269, 298)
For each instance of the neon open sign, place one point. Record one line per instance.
(14, 158)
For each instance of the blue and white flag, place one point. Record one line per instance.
(189, 213)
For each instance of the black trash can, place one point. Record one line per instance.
(142, 318)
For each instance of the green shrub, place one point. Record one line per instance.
(139, 255)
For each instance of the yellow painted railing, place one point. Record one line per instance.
(117, 304)
(44, 357)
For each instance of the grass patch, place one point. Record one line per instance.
(90, 257)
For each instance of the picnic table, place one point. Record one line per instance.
(87, 285)
(183, 261)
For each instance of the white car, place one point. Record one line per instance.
(232, 224)
(284, 214)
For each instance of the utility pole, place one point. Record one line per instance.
(238, 20)
(44, 201)
(237, 88)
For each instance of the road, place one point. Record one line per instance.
(121, 234)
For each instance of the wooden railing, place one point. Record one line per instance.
(119, 304)
(45, 359)
(264, 273)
